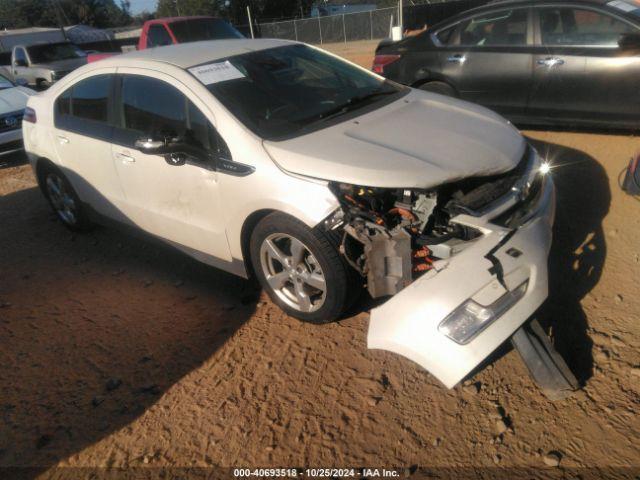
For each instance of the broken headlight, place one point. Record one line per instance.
(470, 318)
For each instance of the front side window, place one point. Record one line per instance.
(284, 91)
(573, 26)
(504, 28)
(158, 36)
(152, 108)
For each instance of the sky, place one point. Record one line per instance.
(138, 6)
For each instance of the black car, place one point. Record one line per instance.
(535, 62)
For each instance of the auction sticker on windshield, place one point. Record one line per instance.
(216, 72)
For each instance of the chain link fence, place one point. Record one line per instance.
(369, 25)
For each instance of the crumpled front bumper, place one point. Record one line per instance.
(408, 323)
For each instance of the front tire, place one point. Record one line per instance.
(299, 268)
(64, 200)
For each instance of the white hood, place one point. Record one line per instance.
(13, 99)
(420, 141)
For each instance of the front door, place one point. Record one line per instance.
(179, 203)
(489, 60)
(580, 72)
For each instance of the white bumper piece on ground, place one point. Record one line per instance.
(408, 324)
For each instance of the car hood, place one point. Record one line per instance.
(13, 99)
(62, 65)
(419, 141)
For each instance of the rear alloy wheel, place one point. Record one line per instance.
(64, 200)
(299, 268)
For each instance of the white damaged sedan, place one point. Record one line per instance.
(279, 160)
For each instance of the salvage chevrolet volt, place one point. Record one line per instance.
(276, 159)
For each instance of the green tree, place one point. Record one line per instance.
(50, 13)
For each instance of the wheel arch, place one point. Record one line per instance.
(41, 165)
(245, 236)
(435, 78)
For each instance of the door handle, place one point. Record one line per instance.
(457, 58)
(63, 140)
(124, 158)
(550, 61)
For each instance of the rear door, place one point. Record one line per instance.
(82, 136)
(580, 73)
(489, 59)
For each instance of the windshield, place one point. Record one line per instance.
(53, 52)
(203, 29)
(5, 82)
(281, 92)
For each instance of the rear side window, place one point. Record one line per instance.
(446, 36)
(90, 98)
(158, 36)
(85, 107)
(581, 27)
(504, 28)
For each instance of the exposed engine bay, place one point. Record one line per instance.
(393, 236)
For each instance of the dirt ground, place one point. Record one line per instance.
(119, 352)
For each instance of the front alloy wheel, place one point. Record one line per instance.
(293, 272)
(300, 268)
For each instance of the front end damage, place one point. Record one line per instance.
(466, 263)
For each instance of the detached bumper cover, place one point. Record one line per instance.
(408, 323)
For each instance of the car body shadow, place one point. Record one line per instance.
(95, 328)
(578, 252)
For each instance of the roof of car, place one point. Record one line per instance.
(187, 55)
(165, 20)
(506, 3)
(503, 2)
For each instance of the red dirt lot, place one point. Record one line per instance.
(120, 352)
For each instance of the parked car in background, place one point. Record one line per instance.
(173, 30)
(13, 99)
(44, 64)
(5, 65)
(277, 159)
(574, 62)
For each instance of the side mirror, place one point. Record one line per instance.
(629, 41)
(173, 149)
(22, 82)
(19, 63)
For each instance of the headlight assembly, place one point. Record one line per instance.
(470, 318)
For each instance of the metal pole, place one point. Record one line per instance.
(320, 29)
(401, 20)
(295, 29)
(344, 30)
(250, 21)
(371, 22)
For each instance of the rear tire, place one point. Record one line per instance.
(300, 269)
(439, 88)
(63, 199)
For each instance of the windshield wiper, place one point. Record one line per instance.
(352, 103)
